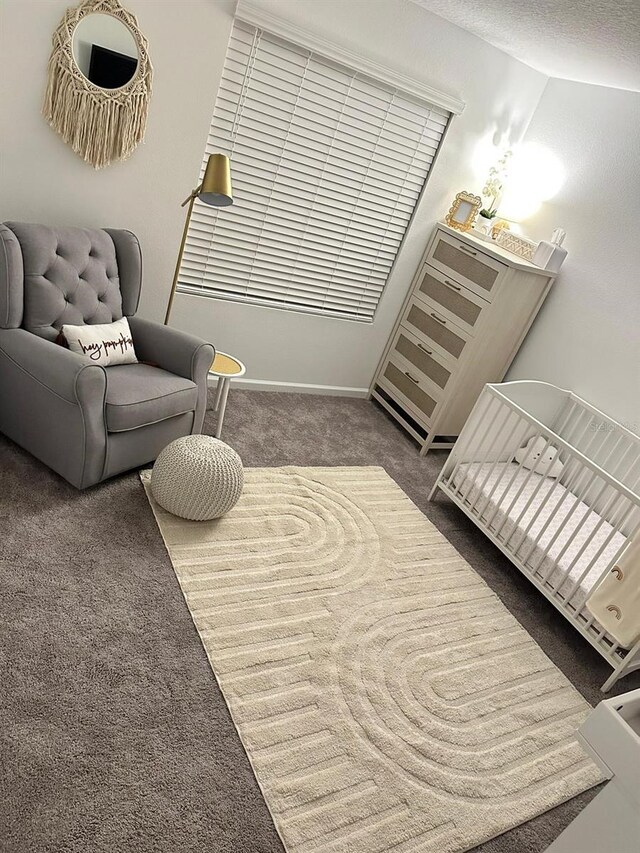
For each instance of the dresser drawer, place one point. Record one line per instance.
(423, 361)
(468, 265)
(445, 338)
(456, 302)
(408, 389)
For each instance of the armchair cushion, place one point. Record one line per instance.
(70, 276)
(139, 394)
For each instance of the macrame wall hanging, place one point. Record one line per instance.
(102, 121)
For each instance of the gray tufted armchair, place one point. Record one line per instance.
(85, 421)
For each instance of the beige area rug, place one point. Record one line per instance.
(387, 700)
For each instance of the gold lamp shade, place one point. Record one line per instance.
(216, 184)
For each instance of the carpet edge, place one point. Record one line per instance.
(144, 478)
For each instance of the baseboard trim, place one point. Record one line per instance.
(295, 387)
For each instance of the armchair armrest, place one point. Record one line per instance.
(60, 371)
(172, 350)
(53, 405)
(177, 352)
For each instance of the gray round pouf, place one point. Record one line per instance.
(197, 477)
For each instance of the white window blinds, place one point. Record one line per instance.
(327, 166)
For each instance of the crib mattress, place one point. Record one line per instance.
(572, 549)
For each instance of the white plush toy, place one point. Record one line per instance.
(531, 456)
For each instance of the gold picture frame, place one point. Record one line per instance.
(463, 211)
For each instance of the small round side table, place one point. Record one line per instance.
(225, 367)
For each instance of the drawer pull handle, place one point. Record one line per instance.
(451, 284)
(439, 319)
(467, 249)
(424, 349)
(412, 378)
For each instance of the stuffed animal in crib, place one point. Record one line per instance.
(534, 456)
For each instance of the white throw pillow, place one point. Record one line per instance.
(532, 457)
(103, 343)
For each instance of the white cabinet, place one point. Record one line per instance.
(467, 312)
(611, 821)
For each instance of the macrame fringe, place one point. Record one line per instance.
(99, 130)
(100, 125)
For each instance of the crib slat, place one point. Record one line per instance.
(491, 425)
(486, 462)
(571, 407)
(496, 405)
(577, 502)
(613, 449)
(571, 435)
(516, 525)
(573, 478)
(518, 468)
(508, 444)
(578, 582)
(588, 510)
(619, 466)
(461, 448)
(570, 484)
(522, 487)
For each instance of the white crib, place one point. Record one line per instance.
(563, 533)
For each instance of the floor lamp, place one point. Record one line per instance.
(214, 190)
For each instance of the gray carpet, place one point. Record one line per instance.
(114, 735)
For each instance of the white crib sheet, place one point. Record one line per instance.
(580, 527)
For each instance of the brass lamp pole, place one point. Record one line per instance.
(214, 190)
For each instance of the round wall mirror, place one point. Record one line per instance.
(99, 81)
(105, 51)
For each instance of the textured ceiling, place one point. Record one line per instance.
(593, 41)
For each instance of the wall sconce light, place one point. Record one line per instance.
(535, 175)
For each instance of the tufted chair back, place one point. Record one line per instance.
(51, 276)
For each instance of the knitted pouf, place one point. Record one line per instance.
(197, 477)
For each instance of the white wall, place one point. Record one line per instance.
(587, 336)
(43, 180)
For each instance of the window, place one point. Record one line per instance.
(327, 166)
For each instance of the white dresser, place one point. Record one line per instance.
(468, 310)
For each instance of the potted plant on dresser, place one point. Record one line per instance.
(491, 191)
(485, 221)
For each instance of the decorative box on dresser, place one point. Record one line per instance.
(467, 312)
